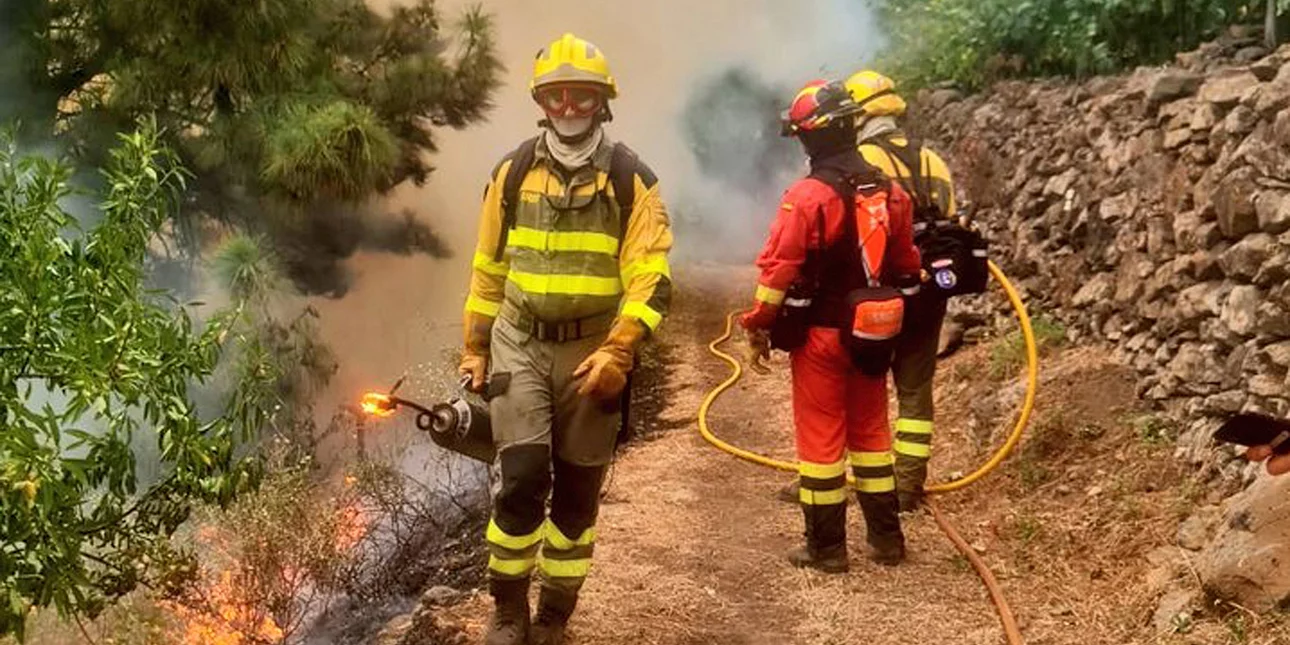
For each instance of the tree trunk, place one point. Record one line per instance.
(1270, 25)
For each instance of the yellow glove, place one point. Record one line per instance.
(474, 358)
(757, 350)
(606, 368)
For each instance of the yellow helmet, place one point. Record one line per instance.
(572, 60)
(876, 94)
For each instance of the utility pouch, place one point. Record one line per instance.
(877, 316)
(499, 383)
(790, 329)
(957, 259)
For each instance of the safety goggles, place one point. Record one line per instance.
(570, 101)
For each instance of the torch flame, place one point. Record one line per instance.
(377, 404)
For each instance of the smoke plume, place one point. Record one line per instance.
(702, 85)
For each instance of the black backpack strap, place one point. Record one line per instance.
(845, 186)
(624, 167)
(921, 171)
(521, 162)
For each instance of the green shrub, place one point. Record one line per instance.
(1008, 354)
(975, 42)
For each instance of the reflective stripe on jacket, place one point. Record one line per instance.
(563, 260)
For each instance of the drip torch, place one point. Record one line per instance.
(457, 424)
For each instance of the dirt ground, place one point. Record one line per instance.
(691, 540)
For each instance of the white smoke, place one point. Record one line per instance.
(402, 311)
(661, 53)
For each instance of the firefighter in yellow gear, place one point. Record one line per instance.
(570, 275)
(926, 177)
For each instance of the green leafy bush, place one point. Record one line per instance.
(974, 42)
(94, 365)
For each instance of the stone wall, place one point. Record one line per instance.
(1150, 211)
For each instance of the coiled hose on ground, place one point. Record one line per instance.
(1006, 617)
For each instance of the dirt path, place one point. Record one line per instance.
(692, 540)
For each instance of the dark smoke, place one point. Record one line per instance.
(732, 127)
(315, 248)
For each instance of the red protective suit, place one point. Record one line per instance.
(833, 404)
(836, 409)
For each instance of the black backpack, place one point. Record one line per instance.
(623, 166)
(955, 256)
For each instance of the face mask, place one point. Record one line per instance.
(571, 127)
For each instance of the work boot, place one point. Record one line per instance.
(882, 520)
(826, 539)
(509, 624)
(910, 500)
(888, 551)
(829, 560)
(555, 606)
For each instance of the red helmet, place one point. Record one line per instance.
(817, 106)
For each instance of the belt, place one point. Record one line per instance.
(557, 332)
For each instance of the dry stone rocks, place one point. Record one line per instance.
(1249, 561)
(1173, 84)
(1234, 203)
(1240, 312)
(1225, 90)
(1244, 259)
(1150, 211)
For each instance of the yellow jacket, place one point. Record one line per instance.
(933, 168)
(563, 259)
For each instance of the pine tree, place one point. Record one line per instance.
(279, 107)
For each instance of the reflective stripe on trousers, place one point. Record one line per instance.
(913, 438)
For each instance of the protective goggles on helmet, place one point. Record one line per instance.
(570, 101)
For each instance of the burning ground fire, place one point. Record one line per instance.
(232, 622)
(233, 607)
(352, 524)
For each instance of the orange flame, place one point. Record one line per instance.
(221, 611)
(377, 404)
(351, 527)
(235, 623)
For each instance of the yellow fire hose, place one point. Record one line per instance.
(1023, 418)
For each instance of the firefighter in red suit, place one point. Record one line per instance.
(842, 241)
